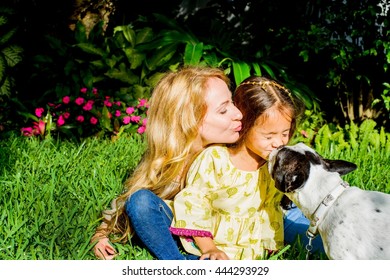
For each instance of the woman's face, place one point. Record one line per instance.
(222, 121)
(269, 134)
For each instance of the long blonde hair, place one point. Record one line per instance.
(177, 108)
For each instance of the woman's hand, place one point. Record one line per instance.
(104, 250)
(214, 254)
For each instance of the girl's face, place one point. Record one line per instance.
(222, 121)
(269, 133)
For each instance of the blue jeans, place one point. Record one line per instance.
(295, 226)
(151, 218)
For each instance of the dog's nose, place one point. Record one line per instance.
(280, 147)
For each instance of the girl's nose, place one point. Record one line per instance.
(278, 141)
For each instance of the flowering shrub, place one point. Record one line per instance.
(89, 113)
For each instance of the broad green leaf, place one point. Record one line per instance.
(4, 38)
(144, 35)
(91, 49)
(268, 70)
(241, 71)
(193, 54)
(161, 56)
(12, 54)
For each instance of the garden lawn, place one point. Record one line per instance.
(52, 192)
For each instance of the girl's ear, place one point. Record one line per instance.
(340, 166)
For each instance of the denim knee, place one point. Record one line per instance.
(139, 202)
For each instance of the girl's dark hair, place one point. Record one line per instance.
(255, 95)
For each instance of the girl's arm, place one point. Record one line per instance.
(209, 250)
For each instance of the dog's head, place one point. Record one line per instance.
(289, 166)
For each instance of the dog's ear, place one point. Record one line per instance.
(340, 166)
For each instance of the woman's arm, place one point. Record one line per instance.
(103, 248)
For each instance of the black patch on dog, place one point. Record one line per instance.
(340, 166)
(313, 158)
(290, 171)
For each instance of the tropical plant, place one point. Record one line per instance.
(10, 52)
(130, 62)
(349, 40)
(10, 56)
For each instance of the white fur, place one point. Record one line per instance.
(356, 226)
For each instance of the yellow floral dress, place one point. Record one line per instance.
(239, 209)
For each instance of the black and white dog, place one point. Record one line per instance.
(353, 223)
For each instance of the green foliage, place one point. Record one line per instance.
(364, 145)
(128, 64)
(10, 53)
(349, 40)
(113, 64)
(385, 98)
(10, 57)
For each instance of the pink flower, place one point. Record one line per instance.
(40, 127)
(94, 91)
(66, 99)
(66, 115)
(80, 118)
(88, 106)
(142, 103)
(118, 103)
(107, 102)
(130, 110)
(27, 131)
(304, 134)
(54, 105)
(117, 113)
(126, 120)
(135, 119)
(39, 112)
(93, 120)
(61, 120)
(141, 129)
(79, 101)
(144, 121)
(84, 90)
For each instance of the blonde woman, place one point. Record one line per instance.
(189, 110)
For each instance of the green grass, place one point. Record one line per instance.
(52, 192)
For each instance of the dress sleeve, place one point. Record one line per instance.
(192, 206)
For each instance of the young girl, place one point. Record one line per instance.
(189, 110)
(230, 208)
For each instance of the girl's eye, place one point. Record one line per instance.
(223, 112)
